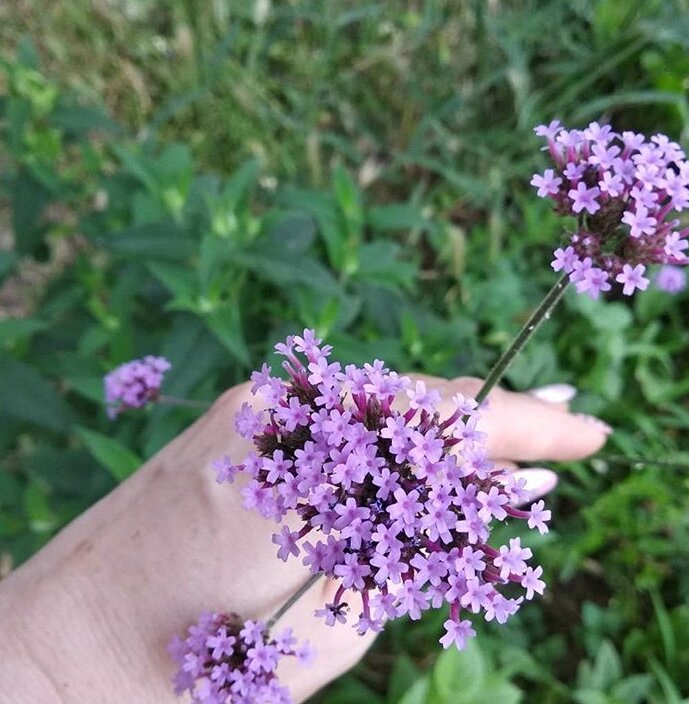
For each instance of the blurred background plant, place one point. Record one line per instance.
(196, 180)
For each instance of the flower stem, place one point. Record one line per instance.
(293, 600)
(541, 313)
(164, 400)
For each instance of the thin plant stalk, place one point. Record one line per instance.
(541, 313)
(293, 600)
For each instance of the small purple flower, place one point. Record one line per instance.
(584, 198)
(383, 492)
(457, 633)
(625, 192)
(134, 384)
(671, 279)
(632, 278)
(225, 661)
(548, 184)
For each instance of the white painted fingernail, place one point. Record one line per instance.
(595, 422)
(539, 481)
(555, 393)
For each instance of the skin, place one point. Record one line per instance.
(89, 616)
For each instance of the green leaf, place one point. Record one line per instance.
(29, 199)
(226, 324)
(42, 519)
(285, 268)
(290, 231)
(7, 263)
(238, 185)
(136, 166)
(379, 263)
(397, 216)
(606, 670)
(14, 329)
(10, 489)
(348, 199)
(322, 207)
(28, 396)
(633, 689)
(404, 676)
(417, 693)
(113, 455)
(459, 671)
(590, 696)
(178, 279)
(161, 240)
(497, 690)
(77, 121)
(349, 690)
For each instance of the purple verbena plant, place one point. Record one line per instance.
(624, 191)
(134, 384)
(394, 499)
(224, 660)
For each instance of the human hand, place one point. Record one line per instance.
(88, 618)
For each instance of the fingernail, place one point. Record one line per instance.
(539, 481)
(555, 393)
(595, 422)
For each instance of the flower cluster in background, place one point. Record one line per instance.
(625, 191)
(134, 384)
(672, 279)
(396, 504)
(226, 661)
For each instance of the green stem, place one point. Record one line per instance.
(537, 317)
(292, 600)
(186, 402)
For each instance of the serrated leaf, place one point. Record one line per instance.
(119, 460)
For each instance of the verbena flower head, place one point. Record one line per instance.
(224, 660)
(625, 192)
(672, 279)
(393, 500)
(134, 384)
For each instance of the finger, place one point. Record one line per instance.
(538, 481)
(525, 429)
(506, 464)
(558, 395)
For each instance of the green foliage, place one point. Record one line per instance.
(253, 168)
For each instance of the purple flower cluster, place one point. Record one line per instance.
(393, 500)
(226, 661)
(134, 384)
(625, 191)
